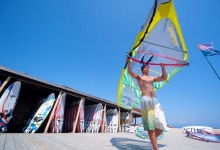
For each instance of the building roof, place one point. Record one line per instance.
(136, 112)
(35, 81)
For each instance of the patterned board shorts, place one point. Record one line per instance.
(152, 114)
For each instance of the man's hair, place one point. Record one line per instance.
(144, 65)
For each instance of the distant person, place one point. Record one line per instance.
(153, 118)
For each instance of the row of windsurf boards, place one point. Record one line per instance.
(90, 118)
(35, 117)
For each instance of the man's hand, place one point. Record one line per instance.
(162, 66)
(128, 60)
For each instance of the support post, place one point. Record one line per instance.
(119, 121)
(4, 84)
(52, 113)
(104, 118)
(77, 116)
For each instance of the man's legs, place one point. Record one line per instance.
(158, 132)
(153, 134)
(153, 138)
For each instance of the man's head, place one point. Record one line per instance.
(144, 68)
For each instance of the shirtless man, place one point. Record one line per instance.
(153, 118)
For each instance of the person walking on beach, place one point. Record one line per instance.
(153, 119)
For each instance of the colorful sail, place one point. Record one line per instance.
(160, 37)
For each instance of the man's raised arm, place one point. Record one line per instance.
(163, 76)
(134, 75)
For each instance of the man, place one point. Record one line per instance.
(153, 118)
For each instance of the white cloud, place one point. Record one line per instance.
(182, 121)
(186, 121)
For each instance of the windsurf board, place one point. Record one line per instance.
(80, 123)
(112, 120)
(115, 121)
(94, 119)
(31, 114)
(41, 114)
(7, 104)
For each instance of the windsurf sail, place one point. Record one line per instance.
(161, 37)
(207, 50)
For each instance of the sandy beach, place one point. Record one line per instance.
(173, 140)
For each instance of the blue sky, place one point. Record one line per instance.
(83, 45)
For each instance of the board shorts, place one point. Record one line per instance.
(152, 114)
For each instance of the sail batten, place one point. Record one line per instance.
(170, 48)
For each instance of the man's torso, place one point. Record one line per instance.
(146, 86)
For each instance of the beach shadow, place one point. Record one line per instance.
(131, 144)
